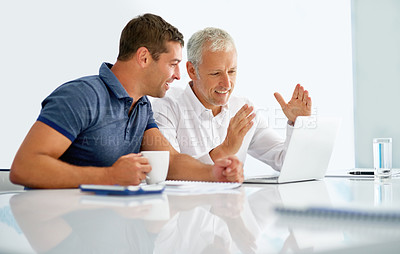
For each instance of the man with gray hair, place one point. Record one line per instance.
(205, 121)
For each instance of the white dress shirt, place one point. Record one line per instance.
(192, 129)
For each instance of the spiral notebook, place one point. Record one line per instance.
(316, 204)
(174, 186)
(342, 213)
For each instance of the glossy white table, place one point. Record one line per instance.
(243, 221)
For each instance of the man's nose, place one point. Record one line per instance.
(225, 81)
(177, 73)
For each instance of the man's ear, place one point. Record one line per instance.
(191, 71)
(143, 56)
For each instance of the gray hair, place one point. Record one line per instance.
(219, 40)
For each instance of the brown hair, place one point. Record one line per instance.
(150, 31)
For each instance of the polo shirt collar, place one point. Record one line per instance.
(111, 81)
(199, 108)
(115, 86)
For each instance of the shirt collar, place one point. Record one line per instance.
(115, 86)
(111, 81)
(199, 108)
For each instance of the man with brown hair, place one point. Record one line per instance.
(91, 130)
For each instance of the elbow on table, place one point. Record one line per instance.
(17, 175)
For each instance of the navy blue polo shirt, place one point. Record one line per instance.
(93, 112)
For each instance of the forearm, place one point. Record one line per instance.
(44, 171)
(239, 125)
(185, 167)
(219, 152)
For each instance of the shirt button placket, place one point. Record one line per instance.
(213, 130)
(127, 106)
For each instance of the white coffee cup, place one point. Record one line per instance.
(159, 161)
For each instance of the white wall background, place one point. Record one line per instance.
(45, 43)
(376, 31)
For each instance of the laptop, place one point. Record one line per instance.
(309, 151)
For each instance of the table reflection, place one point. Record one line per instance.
(211, 223)
(67, 221)
(57, 222)
(239, 221)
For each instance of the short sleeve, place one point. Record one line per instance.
(69, 109)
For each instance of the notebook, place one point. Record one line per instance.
(199, 187)
(307, 209)
(376, 215)
(312, 200)
(309, 151)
